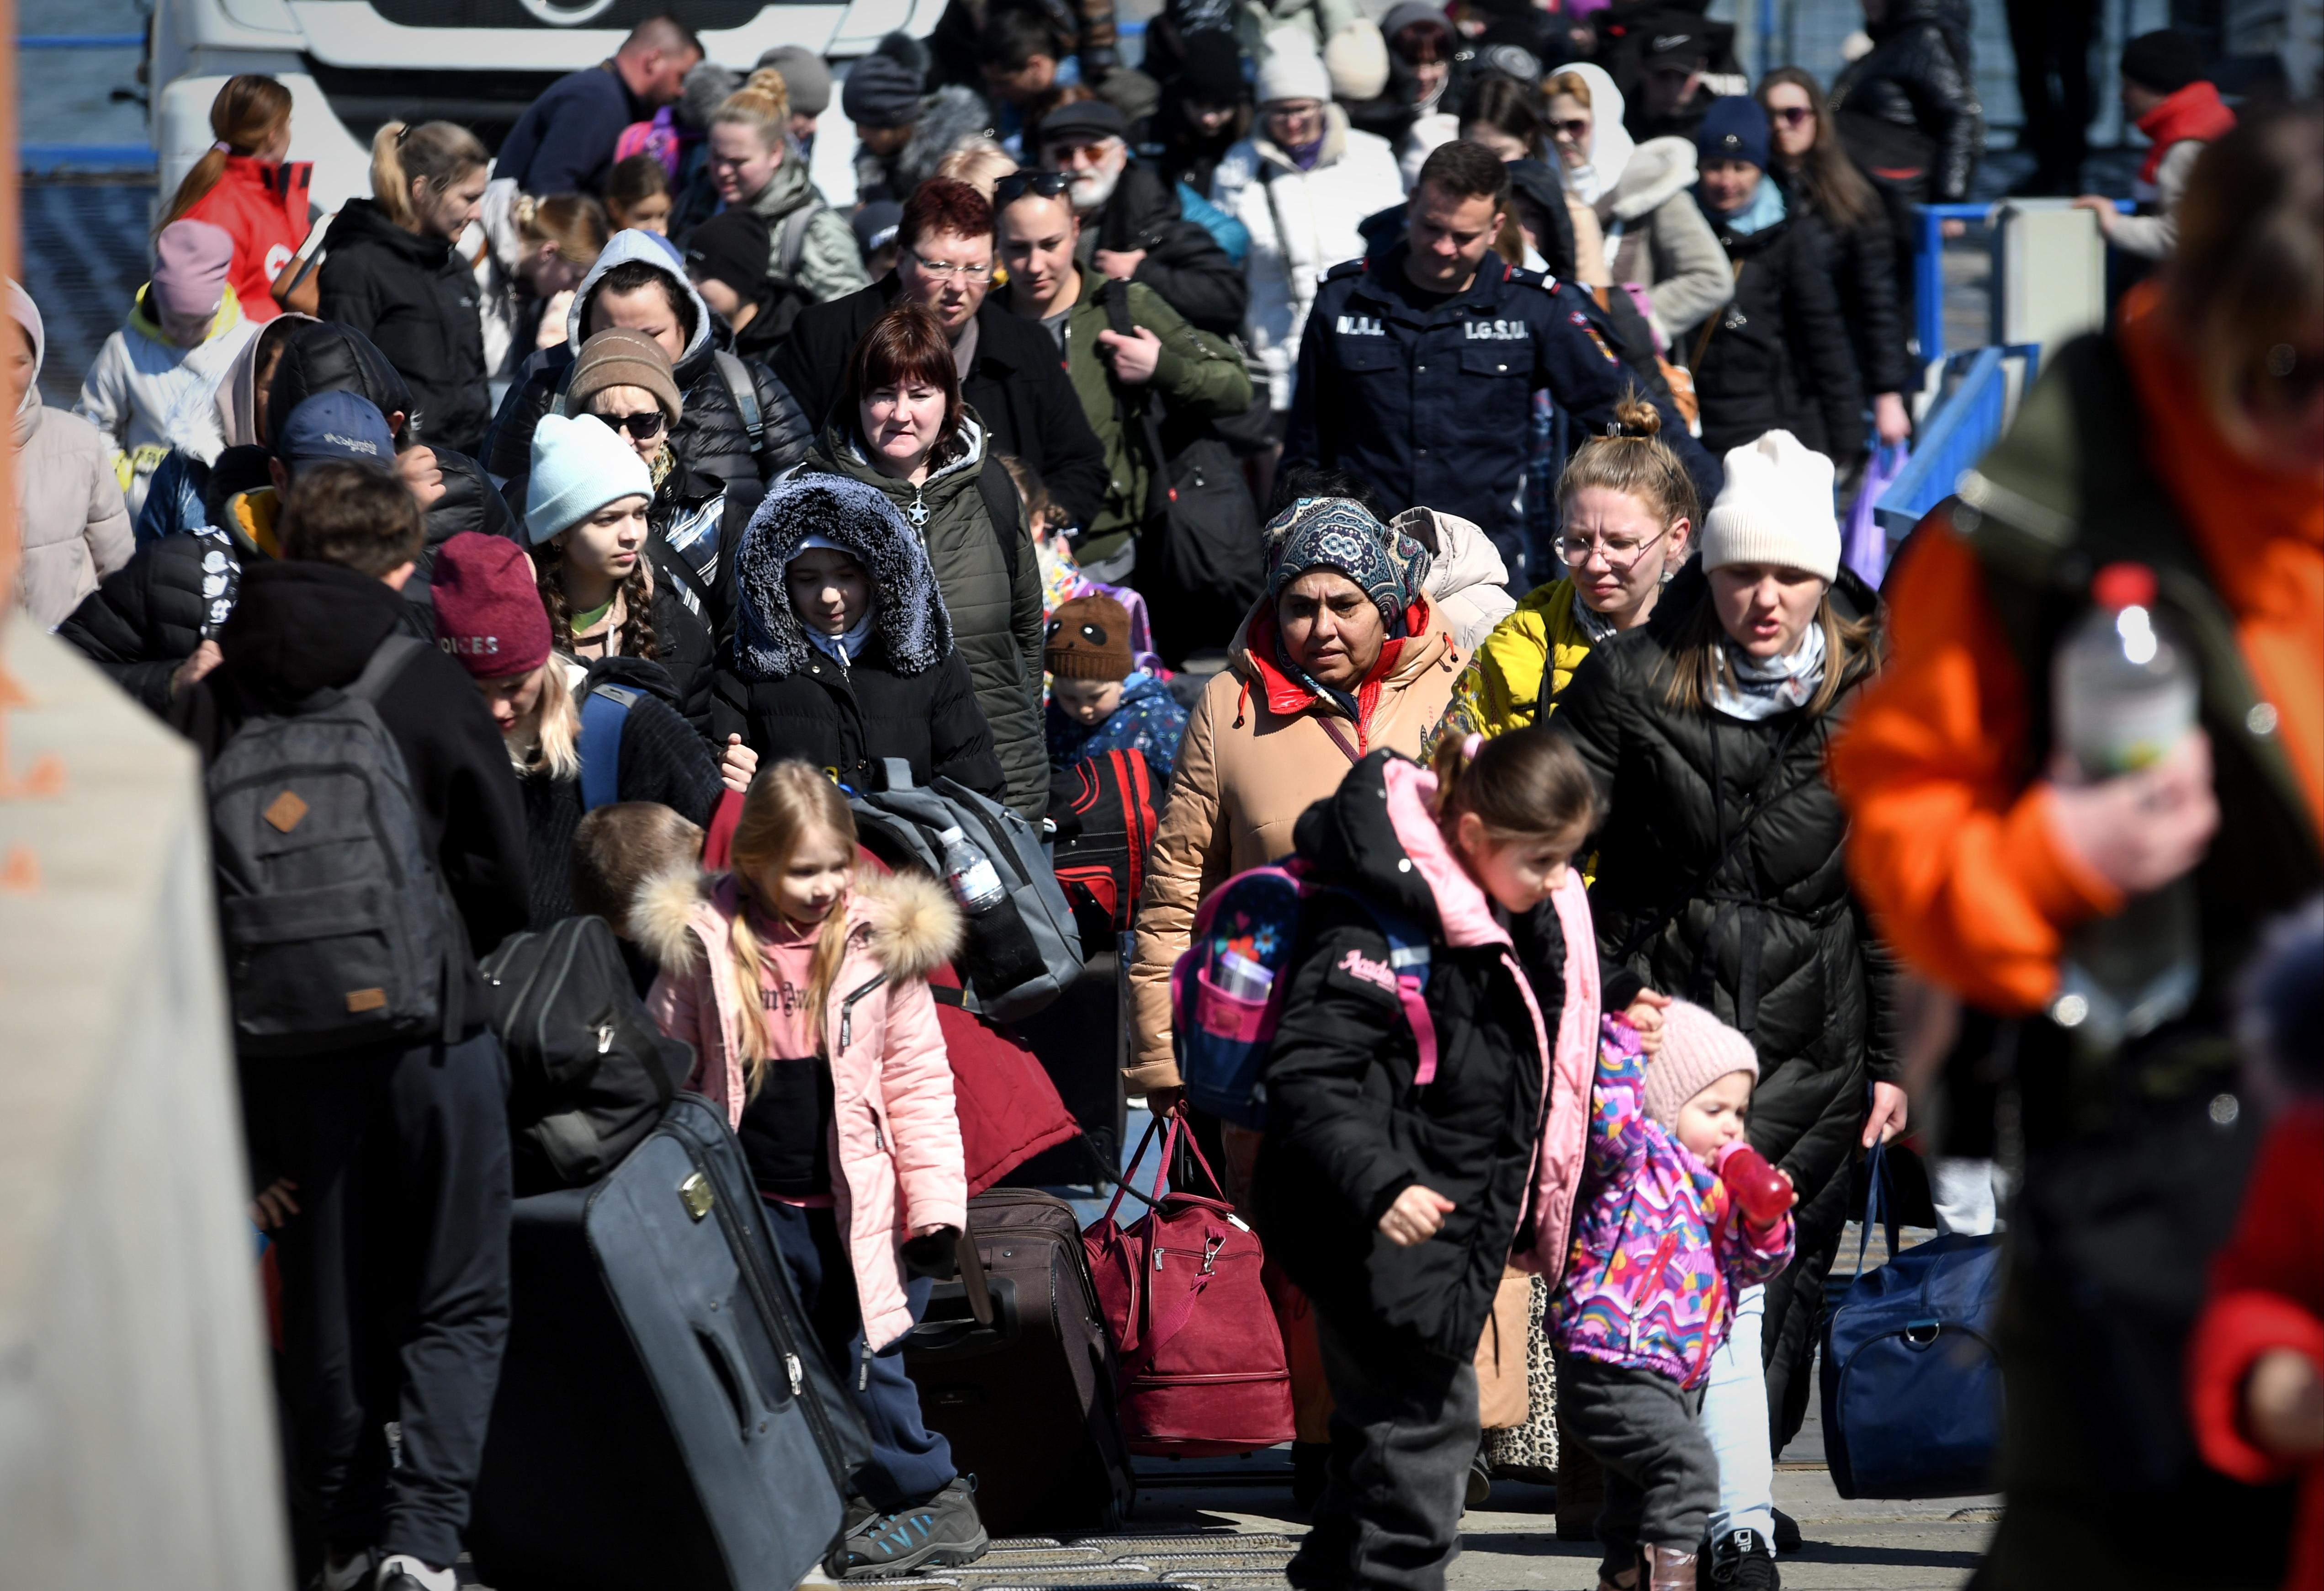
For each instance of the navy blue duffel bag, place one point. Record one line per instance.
(1911, 1382)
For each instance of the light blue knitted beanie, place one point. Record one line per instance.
(579, 464)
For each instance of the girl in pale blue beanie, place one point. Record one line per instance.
(585, 514)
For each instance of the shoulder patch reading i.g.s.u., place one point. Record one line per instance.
(1365, 975)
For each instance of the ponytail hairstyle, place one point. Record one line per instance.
(437, 153)
(1527, 785)
(248, 115)
(788, 801)
(1637, 463)
(767, 114)
(638, 637)
(574, 222)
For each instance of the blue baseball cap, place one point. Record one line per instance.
(336, 428)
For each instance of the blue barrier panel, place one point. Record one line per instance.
(80, 42)
(1956, 432)
(85, 157)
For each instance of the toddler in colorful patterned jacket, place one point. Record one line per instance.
(1660, 1247)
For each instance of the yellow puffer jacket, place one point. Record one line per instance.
(1502, 688)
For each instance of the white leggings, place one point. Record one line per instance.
(1735, 1418)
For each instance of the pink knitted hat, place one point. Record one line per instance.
(189, 265)
(1698, 1049)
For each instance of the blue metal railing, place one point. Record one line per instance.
(1929, 271)
(1967, 419)
(80, 41)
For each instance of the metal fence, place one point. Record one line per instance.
(1975, 403)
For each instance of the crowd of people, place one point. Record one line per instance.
(1420, 445)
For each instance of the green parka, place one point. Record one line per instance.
(1196, 378)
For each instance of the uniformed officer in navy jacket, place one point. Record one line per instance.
(1418, 371)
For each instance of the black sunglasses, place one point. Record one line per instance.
(1018, 184)
(644, 425)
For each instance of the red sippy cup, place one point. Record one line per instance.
(1764, 1192)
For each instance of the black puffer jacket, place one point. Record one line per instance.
(661, 759)
(1862, 259)
(147, 617)
(1183, 263)
(711, 437)
(1347, 1129)
(1908, 110)
(1748, 916)
(1780, 358)
(907, 693)
(415, 299)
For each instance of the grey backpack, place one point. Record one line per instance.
(338, 932)
(1017, 958)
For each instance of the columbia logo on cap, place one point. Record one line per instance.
(351, 444)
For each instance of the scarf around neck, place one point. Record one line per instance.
(842, 648)
(1762, 210)
(2196, 112)
(1760, 687)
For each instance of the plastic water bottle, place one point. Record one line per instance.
(2125, 691)
(1243, 978)
(975, 882)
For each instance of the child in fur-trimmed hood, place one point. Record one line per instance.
(802, 986)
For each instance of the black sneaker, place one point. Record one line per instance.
(1481, 1481)
(944, 1531)
(1788, 1533)
(1744, 1561)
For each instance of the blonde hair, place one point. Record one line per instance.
(978, 161)
(1635, 462)
(767, 114)
(548, 740)
(787, 802)
(574, 222)
(436, 154)
(769, 82)
(1569, 83)
(246, 114)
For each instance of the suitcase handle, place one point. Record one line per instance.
(729, 1374)
(954, 1334)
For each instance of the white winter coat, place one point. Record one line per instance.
(1302, 224)
(1467, 579)
(69, 512)
(148, 395)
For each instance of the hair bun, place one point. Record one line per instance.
(1636, 417)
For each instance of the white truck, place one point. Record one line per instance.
(353, 64)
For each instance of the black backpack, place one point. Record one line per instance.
(338, 930)
(589, 1074)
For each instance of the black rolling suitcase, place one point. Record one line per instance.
(665, 1415)
(1027, 1401)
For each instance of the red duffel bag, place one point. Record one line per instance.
(1199, 1358)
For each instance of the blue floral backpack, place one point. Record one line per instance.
(1226, 992)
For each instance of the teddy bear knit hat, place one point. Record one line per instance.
(1089, 639)
(1698, 1049)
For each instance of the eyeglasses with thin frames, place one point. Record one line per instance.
(945, 270)
(1620, 560)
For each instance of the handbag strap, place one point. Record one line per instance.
(1718, 318)
(1159, 493)
(1324, 721)
(1875, 1207)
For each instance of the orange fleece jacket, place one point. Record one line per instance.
(1952, 844)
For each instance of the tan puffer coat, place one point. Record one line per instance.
(1246, 771)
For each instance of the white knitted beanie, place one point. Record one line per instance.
(1357, 60)
(1775, 508)
(1698, 1049)
(1289, 69)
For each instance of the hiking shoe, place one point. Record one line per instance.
(1744, 1561)
(1788, 1533)
(944, 1531)
(1481, 1481)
